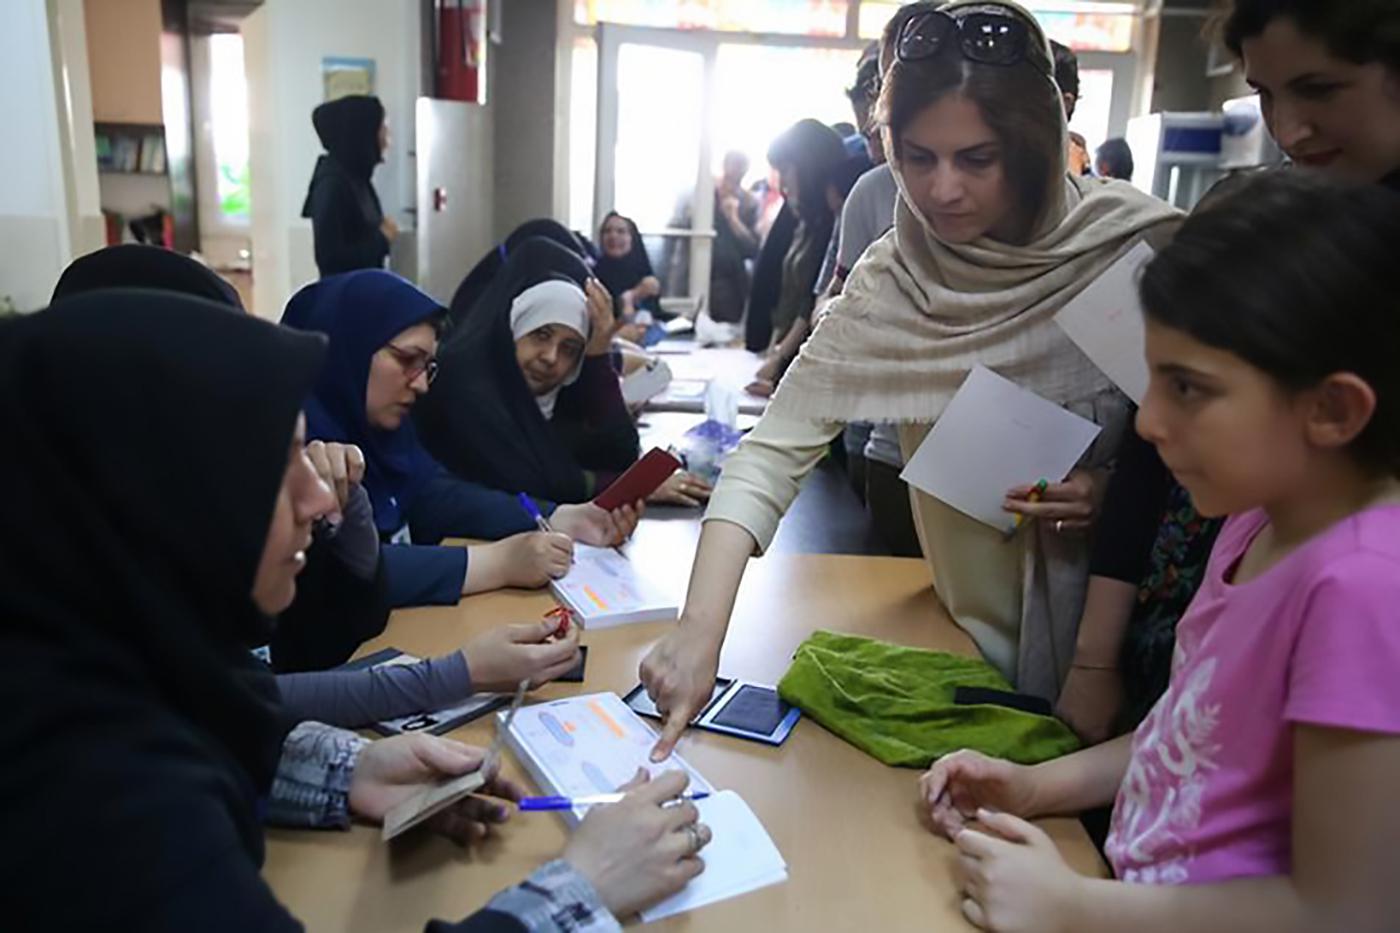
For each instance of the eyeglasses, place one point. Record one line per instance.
(986, 38)
(414, 363)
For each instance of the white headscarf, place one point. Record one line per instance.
(554, 302)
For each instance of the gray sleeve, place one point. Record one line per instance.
(312, 785)
(354, 699)
(556, 898)
(355, 541)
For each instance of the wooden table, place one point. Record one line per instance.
(857, 858)
(692, 372)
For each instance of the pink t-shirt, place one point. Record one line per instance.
(1314, 639)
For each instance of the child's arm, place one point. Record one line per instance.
(1346, 819)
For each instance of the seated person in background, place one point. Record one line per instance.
(625, 271)
(528, 400)
(383, 349)
(1114, 160)
(479, 279)
(158, 747)
(348, 224)
(1258, 795)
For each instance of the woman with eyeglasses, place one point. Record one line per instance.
(992, 237)
(382, 359)
(530, 401)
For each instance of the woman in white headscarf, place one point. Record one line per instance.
(992, 237)
(526, 393)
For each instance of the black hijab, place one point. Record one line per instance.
(349, 130)
(136, 266)
(479, 279)
(481, 420)
(621, 273)
(141, 479)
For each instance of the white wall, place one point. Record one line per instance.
(284, 44)
(34, 240)
(73, 85)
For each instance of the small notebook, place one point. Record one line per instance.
(604, 589)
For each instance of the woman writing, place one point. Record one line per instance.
(382, 357)
(991, 239)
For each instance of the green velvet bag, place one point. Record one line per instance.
(896, 703)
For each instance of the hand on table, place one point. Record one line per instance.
(1070, 506)
(639, 850)
(591, 524)
(340, 466)
(390, 771)
(502, 657)
(534, 558)
(1090, 702)
(765, 381)
(679, 675)
(682, 488)
(958, 785)
(1013, 879)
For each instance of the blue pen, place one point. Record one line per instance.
(533, 511)
(539, 804)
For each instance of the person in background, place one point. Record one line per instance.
(806, 157)
(992, 237)
(1324, 74)
(486, 268)
(625, 271)
(1258, 795)
(736, 241)
(159, 742)
(1114, 160)
(1067, 77)
(529, 401)
(348, 225)
(382, 358)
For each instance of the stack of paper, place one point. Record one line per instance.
(604, 589)
(740, 858)
(994, 436)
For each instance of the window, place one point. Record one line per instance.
(1085, 27)
(790, 17)
(228, 88)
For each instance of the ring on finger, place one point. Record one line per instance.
(1059, 526)
(695, 841)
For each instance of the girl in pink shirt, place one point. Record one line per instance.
(1259, 794)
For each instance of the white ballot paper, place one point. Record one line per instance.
(1105, 321)
(604, 589)
(993, 436)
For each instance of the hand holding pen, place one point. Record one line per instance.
(1070, 505)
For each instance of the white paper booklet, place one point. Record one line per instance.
(994, 436)
(604, 589)
(1105, 321)
(594, 744)
(740, 858)
(590, 744)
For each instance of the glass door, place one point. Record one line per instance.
(653, 148)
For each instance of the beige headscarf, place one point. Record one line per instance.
(917, 313)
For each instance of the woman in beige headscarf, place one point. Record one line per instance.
(991, 239)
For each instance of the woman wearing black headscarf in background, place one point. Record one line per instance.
(347, 222)
(479, 279)
(561, 435)
(624, 267)
(140, 730)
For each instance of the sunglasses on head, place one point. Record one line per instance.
(986, 38)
